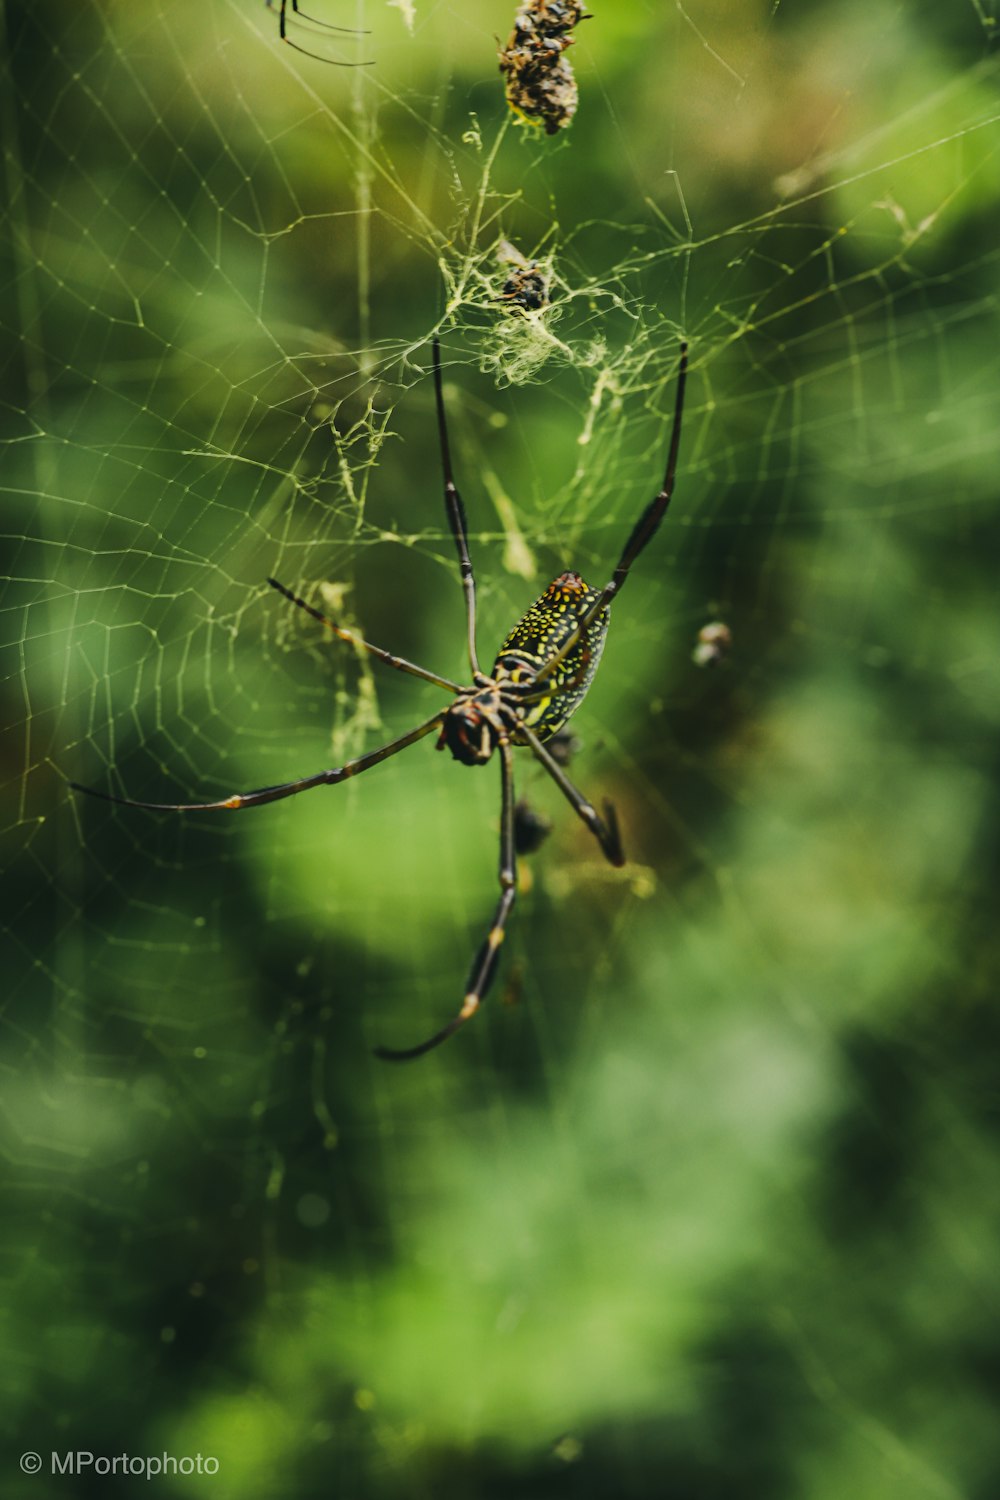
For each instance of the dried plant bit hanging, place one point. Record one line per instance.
(546, 98)
(713, 645)
(541, 86)
(550, 18)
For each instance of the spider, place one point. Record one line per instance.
(326, 25)
(540, 677)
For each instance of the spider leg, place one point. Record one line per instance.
(606, 833)
(285, 789)
(399, 662)
(484, 965)
(326, 25)
(642, 532)
(283, 33)
(456, 514)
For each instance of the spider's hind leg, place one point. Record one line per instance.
(605, 830)
(486, 961)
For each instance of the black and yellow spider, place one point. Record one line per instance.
(539, 678)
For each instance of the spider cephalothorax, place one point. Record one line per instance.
(473, 724)
(540, 678)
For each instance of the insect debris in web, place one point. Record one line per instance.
(540, 83)
(526, 288)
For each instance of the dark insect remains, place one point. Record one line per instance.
(531, 828)
(323, 25)
(526, 288)
(540, 82)
(539, 679)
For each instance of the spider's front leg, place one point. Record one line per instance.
(239, 800)
(484, 965)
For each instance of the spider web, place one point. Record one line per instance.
(704, 1202)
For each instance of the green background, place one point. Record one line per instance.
(706, 1203)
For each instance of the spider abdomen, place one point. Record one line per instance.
(537, 637)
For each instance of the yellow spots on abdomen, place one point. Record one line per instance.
(537, 711)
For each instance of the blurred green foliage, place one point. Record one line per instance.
(709, 1207)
